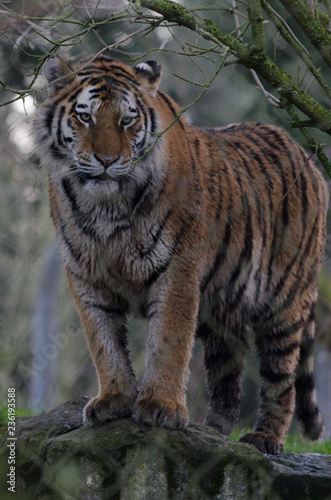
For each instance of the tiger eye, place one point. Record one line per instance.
(85, 117)
(126, 120)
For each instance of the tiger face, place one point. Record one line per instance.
(105, 121)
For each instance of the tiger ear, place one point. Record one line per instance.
(58, 73)
(148, 74)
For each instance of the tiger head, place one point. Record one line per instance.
(99, 118)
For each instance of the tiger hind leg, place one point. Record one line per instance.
(224, 354)
(307, 410)
(278, 344)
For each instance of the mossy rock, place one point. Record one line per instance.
(58, 458)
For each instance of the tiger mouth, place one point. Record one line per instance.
(101, 177)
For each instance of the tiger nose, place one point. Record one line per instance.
(106, 161)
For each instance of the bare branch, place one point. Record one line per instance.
(296, 45)
(317, 34)
(270, 98)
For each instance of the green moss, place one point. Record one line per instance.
(171, 11)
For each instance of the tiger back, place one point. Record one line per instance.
(209, 232)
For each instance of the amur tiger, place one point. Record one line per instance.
(212, 233)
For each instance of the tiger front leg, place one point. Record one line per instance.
(105, 328)
(172, 314)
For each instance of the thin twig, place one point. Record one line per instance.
(310, 84)
(289, 29)
(297, 46)
(274, 101)
(29, 91)
(208, 83)
(298, 175)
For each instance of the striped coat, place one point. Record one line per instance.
(213, 233)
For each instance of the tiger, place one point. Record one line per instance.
(215, 234)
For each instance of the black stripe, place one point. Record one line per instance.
(278, 144)
(304, 253)
(273, 377)
(67, 188)
(170, 105)
(305, 383)
(56, 152)
(220, 257)
(258, 157)
(232, 304)
(98, 90)
(197, 147)
(307, 349)
(220, 185)
(285, 393)
(141, 194)
(75, 94)
(264, 334)
(157, 272)
(156, 237)
(86, 73)
(304, 198)
(75, 254)
(255, 188)
(95, 81)
(248, 244)
(246, 253)
(196, 176)
(119, 70)
(119, 86)
(150, 308)
(49, 116)
(139, 145)
(152, 115)
(121, 73)
(247, 151)
(314, 179)
(105, 308)
(282, 351)
(82, 220)
(59, 126)
(83, 80)
(312, 312)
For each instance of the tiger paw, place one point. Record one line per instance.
(266, 443)
(218, 422)
(107, 408)
(164, 412)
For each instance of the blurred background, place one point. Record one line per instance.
(43, 352)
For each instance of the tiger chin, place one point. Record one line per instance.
(213, 233)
